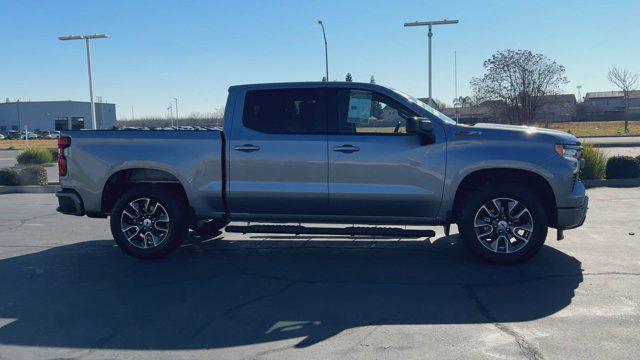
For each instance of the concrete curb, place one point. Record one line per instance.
(611, 183)
(22, 166)
(606, 145)
(29, 189)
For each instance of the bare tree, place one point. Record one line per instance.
(517, 81)
(626, 81)
(463, 101)
(439, 104)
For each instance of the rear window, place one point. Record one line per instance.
(285, 111)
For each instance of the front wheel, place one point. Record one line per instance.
(503, 223)
(148, 222)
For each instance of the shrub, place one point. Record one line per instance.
(9, 177)
(623, 167)
(595, 163)
(54, 153)
(33, 175)
(34, 156)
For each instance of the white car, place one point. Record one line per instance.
(2, 137)
(29, 135)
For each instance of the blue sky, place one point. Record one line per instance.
(195, 50)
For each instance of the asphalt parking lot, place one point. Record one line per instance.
(67, 292)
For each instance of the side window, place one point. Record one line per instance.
(366, 112)
(285, 111)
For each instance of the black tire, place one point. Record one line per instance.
(487, 193)
(177, 226)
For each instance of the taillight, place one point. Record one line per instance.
(63, 143)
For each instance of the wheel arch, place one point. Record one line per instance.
(530, 179)
(122, 180)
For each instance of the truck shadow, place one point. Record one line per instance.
(229, 292)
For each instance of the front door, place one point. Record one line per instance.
(376, 169)
(278, 154)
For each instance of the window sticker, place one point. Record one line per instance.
(359, 107)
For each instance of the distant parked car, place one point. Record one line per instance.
(12, 134)
(29, 135)
(2, 137)
(44, 134)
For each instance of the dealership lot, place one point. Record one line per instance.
(68, 292)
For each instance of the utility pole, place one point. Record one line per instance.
(455, 75)
(86, 39)
(430, 24)
(176, 100)
(326, 53)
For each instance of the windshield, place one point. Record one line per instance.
(428, 108)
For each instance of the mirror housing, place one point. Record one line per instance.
(423, 127)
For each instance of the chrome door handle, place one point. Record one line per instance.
(247, 148)
(347, 149)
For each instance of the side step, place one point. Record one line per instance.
(359, 230)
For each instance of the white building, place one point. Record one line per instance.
(55, 115)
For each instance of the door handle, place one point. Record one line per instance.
(347, 149)
(247, 148)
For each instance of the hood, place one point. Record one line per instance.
(559, 136)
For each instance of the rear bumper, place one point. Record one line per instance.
(70, 203)
(570, 218)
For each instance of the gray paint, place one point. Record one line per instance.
(392, 179)
(41, 115)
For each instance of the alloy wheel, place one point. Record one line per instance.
(503, 225)
(145, 223)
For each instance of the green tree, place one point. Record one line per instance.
(348, 78)
(324, 78)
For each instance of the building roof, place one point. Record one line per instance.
(611, 94)
(558, 98)
(52, 101)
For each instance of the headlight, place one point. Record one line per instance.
(568, 151)
(571, 153)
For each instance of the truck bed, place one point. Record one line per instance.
(194, 158)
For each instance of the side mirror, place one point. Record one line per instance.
(423, 127)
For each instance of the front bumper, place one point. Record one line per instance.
(70, 203)
(570, 218)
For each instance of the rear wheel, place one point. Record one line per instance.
(503, 223)
(149, 222)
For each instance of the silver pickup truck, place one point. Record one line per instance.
(330, 152)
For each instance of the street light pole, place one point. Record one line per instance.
(176, 100)
(87, 38)
(93, 106)
(430, 24)
(326, 53)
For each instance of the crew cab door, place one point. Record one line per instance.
(376, 169)
(278, 153)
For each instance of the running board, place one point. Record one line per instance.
(352, 231)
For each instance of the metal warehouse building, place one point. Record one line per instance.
(55, 115)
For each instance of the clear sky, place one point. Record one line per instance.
(195, 50)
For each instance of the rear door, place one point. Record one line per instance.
(278, 154)
(375, 167)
